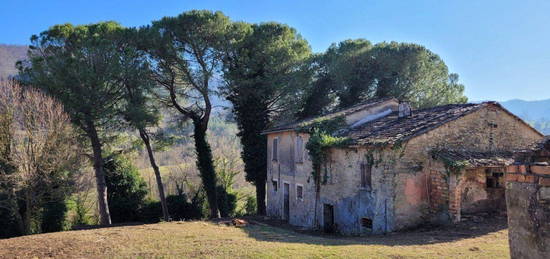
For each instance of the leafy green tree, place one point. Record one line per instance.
(186, 55)
(127, 190)
(263, 68)
(139, 111)
(355, 70)
(80, 66)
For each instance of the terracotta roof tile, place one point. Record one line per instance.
(475, 158)
(392, 129)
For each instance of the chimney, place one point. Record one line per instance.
(404, 109)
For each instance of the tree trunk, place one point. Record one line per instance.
(15, 210)
(103, 204)
(146, 140)
(206, 166)
(260, 196)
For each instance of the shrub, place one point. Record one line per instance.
(126, 189)
(251, 205)
(53, 216)
(179, 206)
(227, 202)
(8, 224)
(246, 204)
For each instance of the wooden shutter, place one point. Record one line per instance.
(299, 149)
(366, 176)
(275, 153)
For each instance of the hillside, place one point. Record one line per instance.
(537, 113)
(9, 54)
(258, 240)
(530, 110)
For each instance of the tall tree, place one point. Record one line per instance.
(264, 74)
(139, 111)
(355, 70)
(80, 66)
(185, 52)
(335, 75)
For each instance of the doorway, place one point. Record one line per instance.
(286, 201)
(328, 218)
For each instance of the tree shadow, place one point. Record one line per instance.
(278, 231)
(123, 224)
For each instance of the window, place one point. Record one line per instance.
(299, 149)
(275, 184)
(366, 223)
(494, 178)
(366, 176)
(275, 149)
(299, 192)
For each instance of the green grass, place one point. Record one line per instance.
(209, 240)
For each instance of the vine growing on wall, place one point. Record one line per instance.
(323, 137)
(451, 165)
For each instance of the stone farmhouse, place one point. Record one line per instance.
(401, 168)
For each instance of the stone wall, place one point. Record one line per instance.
(489, 129)
(528, 205)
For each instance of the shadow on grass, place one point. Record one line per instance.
(124, 224)
(278, 231)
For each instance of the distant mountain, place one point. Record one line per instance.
(529, 110)
(9, 54)
(537, 113)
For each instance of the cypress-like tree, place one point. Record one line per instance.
(263, 72)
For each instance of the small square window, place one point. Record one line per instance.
(275, 185)
(299, 192)
(366, 223)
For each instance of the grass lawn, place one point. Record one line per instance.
(210, 240)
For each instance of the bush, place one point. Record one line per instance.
(227, 202)
(53, 216)
(151, 212)
(251, 205)
(126, 189)
(179, 206)
(246, 204)
(8, 225)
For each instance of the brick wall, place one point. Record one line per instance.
(439, 191)
(538, 174)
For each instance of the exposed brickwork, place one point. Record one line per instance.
(528, 174)
(439, 191)
(537, 169)
(544, 182)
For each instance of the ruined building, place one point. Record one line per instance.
(398, 168)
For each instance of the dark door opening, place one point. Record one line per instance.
(328, 218)
(286, 205)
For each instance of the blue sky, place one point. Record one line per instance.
(500, 49)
